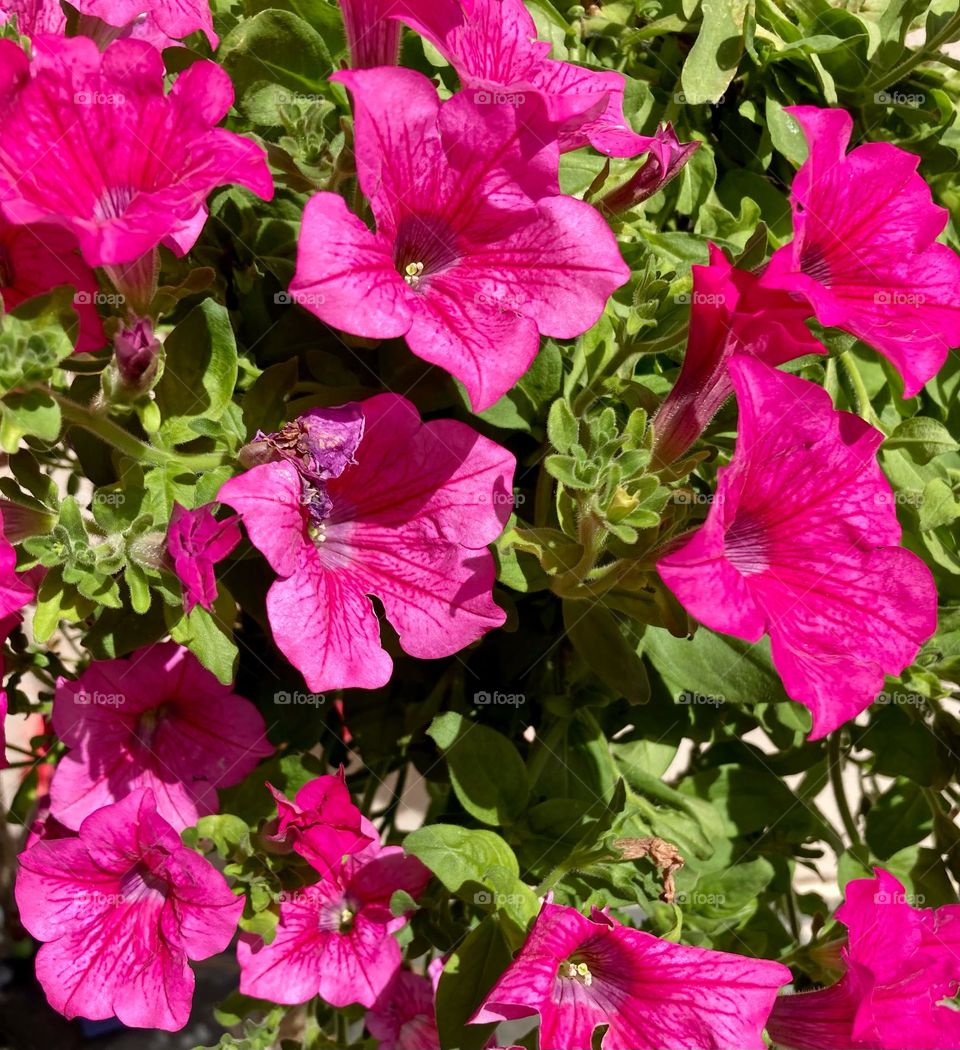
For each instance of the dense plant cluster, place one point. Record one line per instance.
(479, 535)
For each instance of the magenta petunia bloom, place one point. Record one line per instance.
(578, 973)
(157, 719)
(408, 522)
(373, 32)
(335, 939)
(34, 17)
(133, 166)
(475, 252)
(801, 542)
(322, 824)
(495, 51)
(122, 907)
(404, 1015)
(35, 260)
(730, 313)
(667, 157)
(865, 253)
(902, 964)
(161, 23)
(197, 541)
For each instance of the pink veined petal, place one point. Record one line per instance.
(175, 18)
(340, 263)
(403, 1016)
(326, 627)
(356, 967)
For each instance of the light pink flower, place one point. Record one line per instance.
(731, 313)
(801, 542)
(409, 522)
(901, 962)
(322, 823)
(578, 973)
(335, 939)
(864, 251)
(122, 907)
(474, 252)
(157, 719)
(133, 166)
(404, 1015)
(35, 260)
(495, 51)
(197, 541)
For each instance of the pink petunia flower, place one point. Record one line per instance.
(122, 906)
(197, 541)
(495, 51)
(133, 166)
(162, 23)
(474, 254)
(801, 542)
(404, 1016)
(157, 719)
(373, 32)
(408, 522)
(667, 157)
(322, 824)
(731, 313)
(336, 938)
(34, 17)
(864, 252)
(578, 973)
(35, 260)
(902, 963)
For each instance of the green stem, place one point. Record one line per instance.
(587, 396)
(123, 441)
(835, 766)
(856, 388)
(923, 54)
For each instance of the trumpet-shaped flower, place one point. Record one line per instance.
(37, 259)
(159, 22)
(122, 907)
(197, 541)
(336, 938)
(578, 973)
(495, 51)
(322, 823)
(801, 542)
(408, 522)
(373, 32)
(730, 313)
(133, 166)
(475, 252)
(902, 964)
(404, 1016)
(157, 719)
(864, 252)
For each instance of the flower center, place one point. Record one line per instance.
(747, 546)
(425, 246)
(113, 202)
(140, 884)
(576, 971)
(412, 272)
(813, 263)
(149, 720)
(345, 924)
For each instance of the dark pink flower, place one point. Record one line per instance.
(578, 973)
(133, 166)
(865, 252)
(495, 51)
(322, 823)
(802, 542)
(35, 260)
(666, 158)
(197, 541)
(475, 252)
(335, 939)
(157, 719)
(730, 313)
(122, 906)
(404, 1015)
(15, 591)
(34, 17)
(373, 32)
(161, 23)
(902, 964)
(409, 522)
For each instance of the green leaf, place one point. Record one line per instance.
(461, 858)
(900, 817)
(563, 430)
(35, 413)
(922, 439)
(939, 506)
(35, 337)
(486, 770)
(713, 59)
(209, 636)
(200, 372)
(608, 644)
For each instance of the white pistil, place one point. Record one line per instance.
(578, 972)
(412, 272)
(317, 533)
